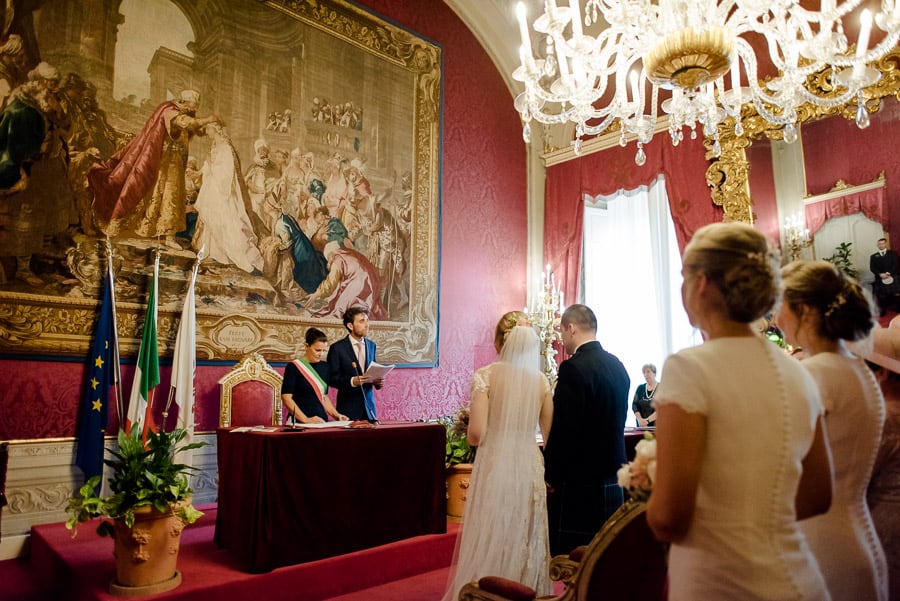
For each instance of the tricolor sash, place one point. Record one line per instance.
(312, 376)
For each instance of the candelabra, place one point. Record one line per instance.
(544, 314)
(796, 234)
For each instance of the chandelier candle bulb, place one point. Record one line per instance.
(862, 44)
(576, 18)
(635, 95)
(523, 29)
(736, 79)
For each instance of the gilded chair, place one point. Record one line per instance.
(623, 562)
(250, 394)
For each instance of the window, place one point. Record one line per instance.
(632, 279)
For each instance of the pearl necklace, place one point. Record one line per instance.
(648, 394)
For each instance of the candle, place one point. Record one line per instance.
(576, 18)
(862, 44)
(635, 90)
(523, 29)
(563, 62)
(736, 78)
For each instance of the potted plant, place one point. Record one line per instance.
(458, 461)
(843, 259)
(149, 506)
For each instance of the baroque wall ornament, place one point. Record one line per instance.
(727, 175)
(330, 147)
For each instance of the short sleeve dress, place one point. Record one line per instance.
(844, 539)
(761, 408)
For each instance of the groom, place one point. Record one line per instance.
(348, 359)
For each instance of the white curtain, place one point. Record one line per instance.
(632, 278)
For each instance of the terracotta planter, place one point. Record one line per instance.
(147, 553)
(457, 490)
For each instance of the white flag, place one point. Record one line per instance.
(184, 365)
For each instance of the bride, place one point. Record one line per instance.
(223, 225)
(504, 531)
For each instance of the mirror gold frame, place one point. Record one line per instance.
(728, 175)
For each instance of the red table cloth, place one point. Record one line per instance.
(289, 497)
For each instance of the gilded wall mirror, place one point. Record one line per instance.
(728, 175)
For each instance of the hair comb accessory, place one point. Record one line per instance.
(839, 301)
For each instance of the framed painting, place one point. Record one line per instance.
(291, 147)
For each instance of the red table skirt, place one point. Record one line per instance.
(295, 496)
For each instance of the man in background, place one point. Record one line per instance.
(348, 359)
(586, 445)
(885, 265)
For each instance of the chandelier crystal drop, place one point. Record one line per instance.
(699, 50)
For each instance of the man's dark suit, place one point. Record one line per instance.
(886, 295)
(586, 446)
(355, 402)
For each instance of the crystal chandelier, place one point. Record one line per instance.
(698, 49)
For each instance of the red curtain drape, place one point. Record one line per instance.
(868, 202)
(607, 171)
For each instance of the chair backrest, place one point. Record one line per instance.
(250, 394)
(624, 561)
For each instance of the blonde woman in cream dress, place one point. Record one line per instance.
(741, 451)
(504, 530)
(821, 310)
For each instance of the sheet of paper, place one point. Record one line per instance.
(377, 370)
(340, 424)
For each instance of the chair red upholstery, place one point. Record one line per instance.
(624, 562)
(250, 394)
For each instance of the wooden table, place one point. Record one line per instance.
(289, 497)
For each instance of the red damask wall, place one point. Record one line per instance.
(483, 246)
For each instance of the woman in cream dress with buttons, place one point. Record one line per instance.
(821, 309)
(504, 530)
(741, 452)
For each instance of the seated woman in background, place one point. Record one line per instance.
(821, 309)
(642, 404)
(741, 450)
(304, 389)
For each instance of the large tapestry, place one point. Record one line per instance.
(292, 147)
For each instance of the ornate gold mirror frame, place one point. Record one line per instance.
(728, 175)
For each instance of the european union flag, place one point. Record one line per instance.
(95, 402)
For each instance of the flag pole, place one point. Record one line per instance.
(117, 372)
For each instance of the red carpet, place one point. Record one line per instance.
(81, 569)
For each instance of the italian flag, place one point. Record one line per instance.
(146, 375)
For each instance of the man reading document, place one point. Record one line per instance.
(349, 360)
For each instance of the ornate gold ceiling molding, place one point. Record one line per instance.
(728, 175)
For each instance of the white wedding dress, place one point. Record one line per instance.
(504, 531)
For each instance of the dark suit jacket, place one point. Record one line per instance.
(590, 404)
(889, 263)
(342, 367)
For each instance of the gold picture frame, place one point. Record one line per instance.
(249, 61)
